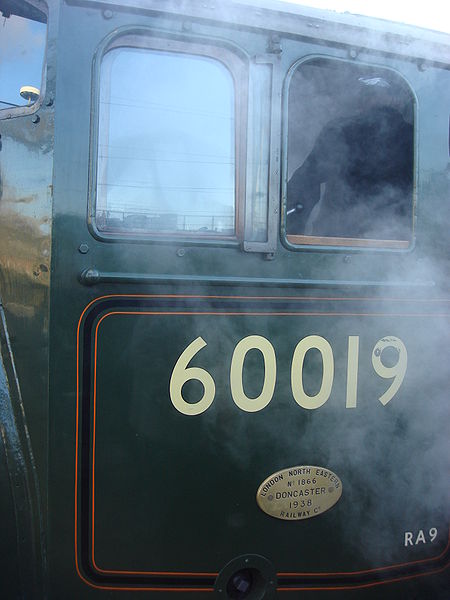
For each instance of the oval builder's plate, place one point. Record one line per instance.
(299, 493)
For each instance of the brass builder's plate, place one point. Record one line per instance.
(299, 492)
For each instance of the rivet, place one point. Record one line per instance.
(108, 14)
(83, 249)
(181, 252)
(35, 119)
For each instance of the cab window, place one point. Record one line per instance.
(350, 156)
(166, 158)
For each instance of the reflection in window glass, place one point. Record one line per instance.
(22, 48)
(350, 156)
(166, 155)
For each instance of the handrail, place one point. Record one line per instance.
(93, 276)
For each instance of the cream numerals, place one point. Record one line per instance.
(182, 373)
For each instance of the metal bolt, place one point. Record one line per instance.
(89, 277)
(347, 259)
(83, 248)
(274, 46)
(181, 252)
(108, 14)
(35, 119)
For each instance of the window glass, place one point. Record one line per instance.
(350, 156)
(166, 152)
(22, 49)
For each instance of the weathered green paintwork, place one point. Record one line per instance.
(177, 493)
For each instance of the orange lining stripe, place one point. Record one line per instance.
(396, 566)
(185, 313)
(187, 574)
(362, 585)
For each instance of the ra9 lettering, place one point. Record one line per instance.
(182, 373)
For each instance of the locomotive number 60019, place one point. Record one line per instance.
(182, 373)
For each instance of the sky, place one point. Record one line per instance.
(432, 14)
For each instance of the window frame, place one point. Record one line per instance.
(302, 242)
(236, 64)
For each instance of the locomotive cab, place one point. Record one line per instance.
(224, 302)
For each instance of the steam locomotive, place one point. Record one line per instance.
(224, 302)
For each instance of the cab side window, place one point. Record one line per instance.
(350, 156)
(166, 157)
